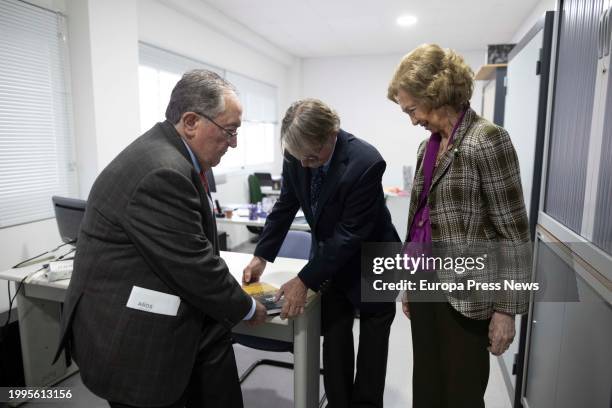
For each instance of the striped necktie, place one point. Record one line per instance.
(316, 181)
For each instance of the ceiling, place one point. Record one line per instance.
(323, 28)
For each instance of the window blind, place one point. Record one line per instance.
(256, 135)
(159, 70)
(258, 99)
(37, 158)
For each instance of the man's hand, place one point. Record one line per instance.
(501, 333)
(253, 270)
(259, 316)
(295, 297)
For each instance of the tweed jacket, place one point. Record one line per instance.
(476, 199)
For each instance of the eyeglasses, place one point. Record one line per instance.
(230, 134)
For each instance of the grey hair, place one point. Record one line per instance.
(308, 125)
(199, 90)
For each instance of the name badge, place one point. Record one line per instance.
(152, 301)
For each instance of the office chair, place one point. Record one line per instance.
(265, 179)
(255, 196)
(296, 245)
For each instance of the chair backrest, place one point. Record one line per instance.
(265, 179)
(69, 213)
(296, 245)
(255, 194)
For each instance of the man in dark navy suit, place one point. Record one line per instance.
(336, 179)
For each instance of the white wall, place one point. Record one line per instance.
(538, 11)
(103, 46)
(357, 88)
(103, 42)
(103, 38)
(192, 36)
(188, 35)
(104, 60)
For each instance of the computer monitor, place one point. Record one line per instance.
(68, 214)
(265, 179)
(210, 177)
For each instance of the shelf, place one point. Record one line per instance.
(487, 72)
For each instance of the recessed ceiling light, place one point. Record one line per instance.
(406, 20)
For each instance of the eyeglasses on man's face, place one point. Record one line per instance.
(230, 134)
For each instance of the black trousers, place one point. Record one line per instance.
(451, 360)
(367, 387)
(214, 377)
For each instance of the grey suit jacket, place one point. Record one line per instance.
(148, 223)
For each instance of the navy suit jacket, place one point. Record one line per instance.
(351, 210)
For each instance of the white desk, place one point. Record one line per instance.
(260, 222)
(399, 206)
(39, 301)
(304, 331)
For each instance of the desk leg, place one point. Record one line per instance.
(39, 325)
(306, 354)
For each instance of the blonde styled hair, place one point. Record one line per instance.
(307, 126)
(434, 76)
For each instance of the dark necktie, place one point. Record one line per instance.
(316, 181)
(204, 182)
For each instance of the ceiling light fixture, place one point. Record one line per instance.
(406, 20)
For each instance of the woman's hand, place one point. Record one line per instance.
(501, 333)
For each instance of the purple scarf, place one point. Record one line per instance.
(420, 229)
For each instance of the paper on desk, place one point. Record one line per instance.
(242, 212)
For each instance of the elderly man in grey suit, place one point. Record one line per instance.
(150, 306)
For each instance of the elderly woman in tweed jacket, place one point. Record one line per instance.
(467, 189)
